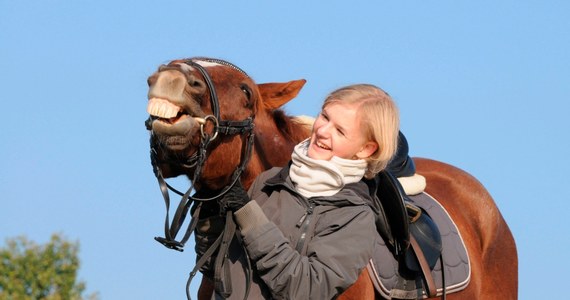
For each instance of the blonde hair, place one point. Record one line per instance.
(378, 116)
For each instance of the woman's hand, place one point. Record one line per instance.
(234, 199)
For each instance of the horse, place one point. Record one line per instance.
(189, 99)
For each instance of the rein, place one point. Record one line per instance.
(221, 269)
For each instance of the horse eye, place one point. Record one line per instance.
(245, 89)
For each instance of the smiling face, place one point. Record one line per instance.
(338, 132)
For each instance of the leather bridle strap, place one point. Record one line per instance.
(208, 80)
(223, 127)
(221, 267)
(201, 262)
(222, 280)
(171, 229)
(221, 273)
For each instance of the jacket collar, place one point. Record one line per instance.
(357, 193)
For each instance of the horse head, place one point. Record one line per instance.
(204, 108)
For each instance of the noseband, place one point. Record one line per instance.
(197, 160)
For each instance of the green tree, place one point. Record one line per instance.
(48, 272)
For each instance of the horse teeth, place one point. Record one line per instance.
(162, 108)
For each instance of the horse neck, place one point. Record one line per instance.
(273, 145)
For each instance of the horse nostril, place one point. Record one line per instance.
(152, 79)
(196, 84)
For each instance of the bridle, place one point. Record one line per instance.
(225, 127)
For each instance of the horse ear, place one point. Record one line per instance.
(275, 94)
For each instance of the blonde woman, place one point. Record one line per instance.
(310, 229)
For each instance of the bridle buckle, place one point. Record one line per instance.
(202, 122)
(170, 244)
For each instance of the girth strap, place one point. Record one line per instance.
(430, 283)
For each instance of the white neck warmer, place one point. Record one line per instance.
(314, 177)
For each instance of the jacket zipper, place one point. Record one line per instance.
(304, 223)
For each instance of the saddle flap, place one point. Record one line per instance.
(391, 197)
(428, 238)
(386, 269)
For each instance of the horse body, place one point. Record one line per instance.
(180, 106)
(490, 244)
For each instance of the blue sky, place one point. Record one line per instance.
(481, 85)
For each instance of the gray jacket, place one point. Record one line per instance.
(299, 248)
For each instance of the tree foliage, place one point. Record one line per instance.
(31, 271)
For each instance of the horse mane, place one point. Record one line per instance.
(294, 128)
(305, 120)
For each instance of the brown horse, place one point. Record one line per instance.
(181, 107)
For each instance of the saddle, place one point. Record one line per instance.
(409, 232)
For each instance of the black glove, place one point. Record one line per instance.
(235, 198)
(209, 209)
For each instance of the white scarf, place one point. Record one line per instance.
(313, 177)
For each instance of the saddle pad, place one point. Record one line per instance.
(384, 267)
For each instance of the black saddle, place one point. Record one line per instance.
(409, 232)
(392, 218)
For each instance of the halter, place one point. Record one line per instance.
(197, 160)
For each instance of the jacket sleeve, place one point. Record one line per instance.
(336, 254)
